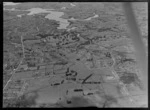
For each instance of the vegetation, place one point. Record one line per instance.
(36, 42)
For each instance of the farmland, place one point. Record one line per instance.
(90, 60)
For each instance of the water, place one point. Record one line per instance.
(38, 10)
(72, 4)
(51, 15)
(95, 16)
(10, 3)
(63, 8)
(56, 16)
(12, 9)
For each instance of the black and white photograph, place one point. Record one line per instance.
(75, 55)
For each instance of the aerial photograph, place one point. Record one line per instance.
(75, 55)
